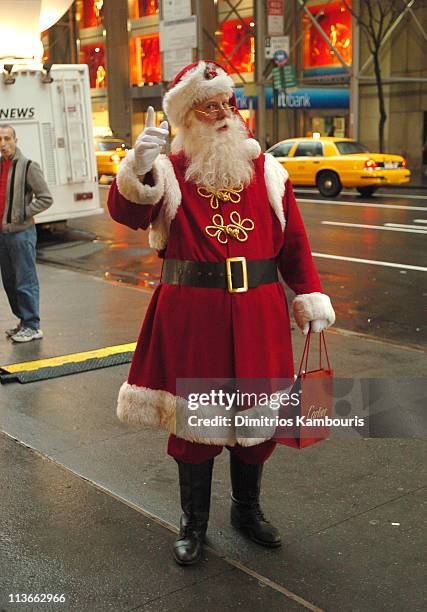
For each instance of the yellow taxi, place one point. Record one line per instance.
(331, 163)
(109, 153)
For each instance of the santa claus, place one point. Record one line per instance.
(223, 217)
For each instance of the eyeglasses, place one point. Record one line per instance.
(214, 109)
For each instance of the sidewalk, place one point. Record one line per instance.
(89, 506)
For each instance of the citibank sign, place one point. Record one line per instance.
(331, 97)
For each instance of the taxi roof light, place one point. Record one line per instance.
(316, 135)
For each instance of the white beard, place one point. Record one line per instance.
(217, 160)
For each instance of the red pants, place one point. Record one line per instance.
(192, 452)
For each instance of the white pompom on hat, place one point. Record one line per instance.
(193, 84)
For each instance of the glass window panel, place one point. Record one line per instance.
(309, 149)
(335, 20)
(282, 150)
(349, 147)
(237, 45)
(89, 13)
(148, 7)
(112, 145)
(94, 56)
(143, 8)
(145, 65)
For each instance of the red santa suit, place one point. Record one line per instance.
(197, 332)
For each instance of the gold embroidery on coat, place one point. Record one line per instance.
(238, 228)
(224, 195)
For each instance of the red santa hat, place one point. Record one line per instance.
(195, 83)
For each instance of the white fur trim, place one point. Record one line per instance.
(160, 409)
(275, 179)
(311, 306)
(253, 148)
(142, 406)
(130, 186)
(159, 229)
(193, 88)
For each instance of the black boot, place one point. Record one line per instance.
(246, 513)
(195, 485)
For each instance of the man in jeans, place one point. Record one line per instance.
(23, 194)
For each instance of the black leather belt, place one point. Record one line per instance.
(237, 274)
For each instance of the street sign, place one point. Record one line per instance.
(177, 41)
(176, 9)
(180, 34)
(280, 57)
(276, 43)
(278, 80)
(174, 61)
(290, 75)
(275, 17)
(284, 77)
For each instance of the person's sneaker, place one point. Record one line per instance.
(13, 330)
(26, 334)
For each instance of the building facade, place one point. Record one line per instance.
(120, 42)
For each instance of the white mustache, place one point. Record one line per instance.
(220, 124)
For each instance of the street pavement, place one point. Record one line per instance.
(372, 259)
(89, 506)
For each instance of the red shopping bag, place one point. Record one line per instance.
(307, 419)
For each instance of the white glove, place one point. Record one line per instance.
(148, 143)
(316, 326)
(314, 308)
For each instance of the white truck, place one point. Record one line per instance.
(51, 114)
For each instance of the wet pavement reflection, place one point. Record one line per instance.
(99, 252)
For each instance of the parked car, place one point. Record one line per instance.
(109, 153)
(333, 163)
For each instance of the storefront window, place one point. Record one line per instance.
(327, 124)
(240, 51)
(145, 66)
(335, 20)
(94, 57)
(143, 8)
(89, 13)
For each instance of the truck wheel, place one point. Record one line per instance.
(328, 183)
(367, 191)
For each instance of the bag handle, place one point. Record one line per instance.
(306, 349)
(322, 337)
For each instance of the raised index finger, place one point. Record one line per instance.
(149, 122)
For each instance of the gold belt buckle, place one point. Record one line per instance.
(230, 287)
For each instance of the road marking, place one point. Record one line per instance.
(373, 262)
(415, 227)
(377, 195)
(401, 195)
(73, 358)
(376, 227)
(363, 204)
(420, 220)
